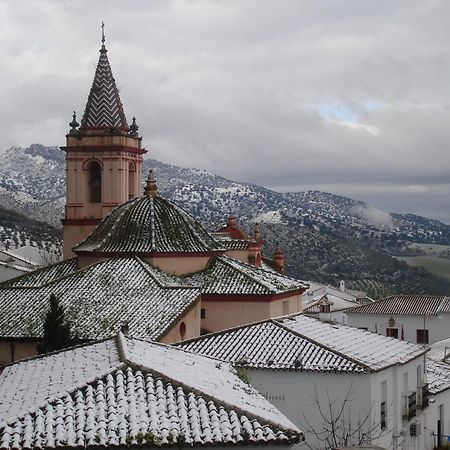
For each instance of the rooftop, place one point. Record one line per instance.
(148, 225)
(298, 342)
(415, 305)
(122, 392)
(229, 276)
(97, 299)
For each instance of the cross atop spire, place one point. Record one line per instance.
(103, 33)
(104, 108)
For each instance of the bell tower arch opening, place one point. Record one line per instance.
(94, 181)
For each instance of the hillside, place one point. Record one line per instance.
(325, 237)
(17, 230)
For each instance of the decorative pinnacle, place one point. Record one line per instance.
(257, 232)
(151, 189)
(74, 124)
(278, 251)
(134, 128)
(231, 222)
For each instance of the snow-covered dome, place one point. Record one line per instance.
(147, 225)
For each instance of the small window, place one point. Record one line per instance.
(326, 308)
(383, 424)
(285, 307)
(203, 313)
(392, 332)
(422, 336)
(182, 330)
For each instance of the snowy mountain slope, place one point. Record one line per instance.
(325, 237)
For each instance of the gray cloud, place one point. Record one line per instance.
(350, 97)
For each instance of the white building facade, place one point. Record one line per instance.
(416, 319)
(371, 389)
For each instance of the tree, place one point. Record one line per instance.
(338, 427)
(56, 329)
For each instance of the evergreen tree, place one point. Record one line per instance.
(56, 331)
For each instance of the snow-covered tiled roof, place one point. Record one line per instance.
(438, 376)
(229, 276)
(149, 224)
(303, 343)
(416, 305)
(233, 244)
(44, 275)
(269, 345)
(371, 349)
(438, 366)
(336, 304)
(98, 299)
(124, 392)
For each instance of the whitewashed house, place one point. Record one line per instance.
(438, 375)
(422, 319)
(329, 303)
(127, 393)
(370, 387)
(22, 260)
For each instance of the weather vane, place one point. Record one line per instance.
(103, 33)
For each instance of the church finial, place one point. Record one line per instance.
(74, 124)
(257, 232)
(134, 127)
(278, 259)
(103, 49)
(151, 189)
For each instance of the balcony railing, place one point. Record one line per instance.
(425, 396)
(412, 405)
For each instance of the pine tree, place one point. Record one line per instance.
(56, 331)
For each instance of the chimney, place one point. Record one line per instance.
(342, 286)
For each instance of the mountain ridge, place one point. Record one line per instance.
(325, 237)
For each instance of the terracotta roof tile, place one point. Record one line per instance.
(98, 299)
(229, 276)
(149, 225)
(406, 304)
(136, 394)
(302, 343)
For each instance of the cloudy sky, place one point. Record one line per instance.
(345, 96)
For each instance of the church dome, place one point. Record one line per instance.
(147, 225)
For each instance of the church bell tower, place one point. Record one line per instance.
(103, 158)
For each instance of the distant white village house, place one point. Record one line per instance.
(330, 303)
(422, 319)
(22, 260)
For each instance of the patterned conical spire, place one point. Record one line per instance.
(104, 108)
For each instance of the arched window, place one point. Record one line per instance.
(94, 182)
(131, 180)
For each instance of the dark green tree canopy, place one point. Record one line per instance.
(56, 329)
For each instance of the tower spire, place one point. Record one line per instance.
(104, 108)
